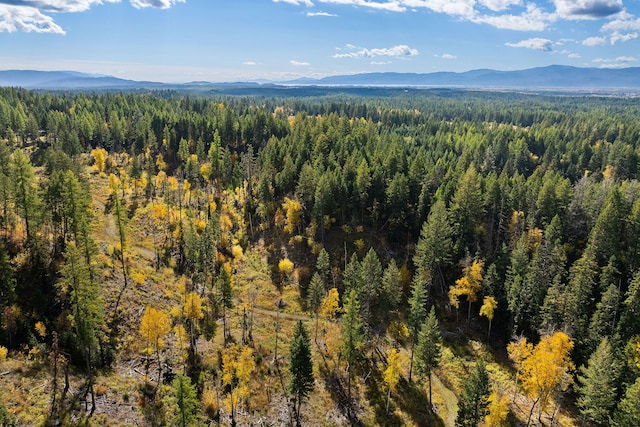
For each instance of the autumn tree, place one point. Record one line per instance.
(391, 374)
(293, 213)
(489, 305)
(468, 285)
(238, 365)
(546, 369)
(497, 409)
(301, 368)
(330, 305)
(428, 349)
(154, 326)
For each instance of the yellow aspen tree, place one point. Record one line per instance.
(489, 305)
(154, 326)
(100, 156)
(498, 408)
(238, 365)
(468, 285)
(293, 212)
(547, 368)
(329, 307)
(391, 375)
(193, 306)
(285, 266)
(518, 351)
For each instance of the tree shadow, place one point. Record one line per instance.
(376, 393)
(339, 395)
(413, 400)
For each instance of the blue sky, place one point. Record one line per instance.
(231, 40)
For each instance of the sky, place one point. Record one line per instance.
(242, 40)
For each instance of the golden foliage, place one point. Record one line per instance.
(293, 213)
(3, 353)
(41, 329)
(99, 156)
(138, 278)
(498, 409)
(238, 365)
(399, 331)
(468, 285)
(285, 266)
(547, 367)
(391, 375)
(489, 305)
(236, 251)
(154, 325)
(193, 306)
(329, 307)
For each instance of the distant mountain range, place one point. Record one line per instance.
(555, 77)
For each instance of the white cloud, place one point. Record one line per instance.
(499, 5)
(533, 19)
(535, 43)
(594, 41)
(587, 9)
(619, 62)
(27, 15)
(159, 4)
(307, 3)
(299, 63)
(625, 59)
(619, 37)
(26, 19)
(249, 63)
(396, 51)
(446, 56)
(463, 8)
(381, 62)
(390, 6)
(574, 56)
(625, 23)
(320, 14)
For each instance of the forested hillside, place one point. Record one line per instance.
(423, 258)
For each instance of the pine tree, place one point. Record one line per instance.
(627, 413)
(472, 406)
(187, 401)
(417, 314)
(323, 267)
(301, 368)
(86, 309)
(315, 294)
(435, 246)
(352, 334)
(596, 388)
(428, 349)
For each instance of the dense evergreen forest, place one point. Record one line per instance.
(420, 257)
